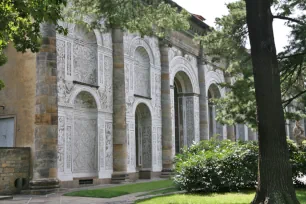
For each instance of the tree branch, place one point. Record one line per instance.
(290, 19)
(294, 55)
(287, 102)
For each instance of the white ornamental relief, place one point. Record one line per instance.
(173, 52)
(107, 40)
(61, 143)
(159, 146)
(157, 98)
(85, 145)
(189, 120)
(172, 121)
(192, 59)
(85, 63)
(109, 146)
(102, 145)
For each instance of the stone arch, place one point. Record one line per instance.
(214, 127)
(143, 138)
(77, 89)
(184, 104)
(179, 64)
(213, 77)
(140, 42)
(142, 69)
(139, 101)
(85, 136)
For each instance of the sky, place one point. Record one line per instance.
(216, 8)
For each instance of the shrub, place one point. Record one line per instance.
(218, 166)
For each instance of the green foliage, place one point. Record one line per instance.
(217, 166)
(132, 15)
(122, 190)
(228, 42)
(1, 85)
(20, 23)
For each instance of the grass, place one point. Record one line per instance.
(122, 190)
(226, 198)
(160, 192)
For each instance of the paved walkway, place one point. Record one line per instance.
(58, 198)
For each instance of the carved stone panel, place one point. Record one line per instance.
(85, 145)
(61, 143)
(109, 146)
(189, 120)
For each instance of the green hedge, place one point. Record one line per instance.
(219, 166)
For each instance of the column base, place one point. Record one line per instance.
(166, 173)
(42, 187)
(120, 177)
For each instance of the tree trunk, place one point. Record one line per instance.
(274, 170)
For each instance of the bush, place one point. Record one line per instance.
(219, 166)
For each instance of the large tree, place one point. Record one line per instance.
(274, 170)
(264, 83)
(20, 23)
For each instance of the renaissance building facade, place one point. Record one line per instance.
(110, 107)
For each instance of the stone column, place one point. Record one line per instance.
(167, 143)
(119, 115)
(230, 128)
(46, 115)
(204, 127)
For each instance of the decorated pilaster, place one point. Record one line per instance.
(119, 116)
(204, 128)
(167, 140)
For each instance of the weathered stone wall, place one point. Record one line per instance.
(14, 169)
(18, 96)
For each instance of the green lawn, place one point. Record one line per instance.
(160, 192)
(123, 190)
(227, 198)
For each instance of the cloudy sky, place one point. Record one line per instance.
(216, 8)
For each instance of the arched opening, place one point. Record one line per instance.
(215, 128)
(183, 111)
(85, 137)
(143, 139)
(142, 72)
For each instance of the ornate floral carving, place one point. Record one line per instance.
(68, 147)
(69, 67)
(61, 143)
(189, 120)
(109, 146)
(85, 145)
(173, 52)
(85, 63)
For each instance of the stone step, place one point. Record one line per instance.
(6, 197)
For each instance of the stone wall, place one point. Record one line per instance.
(18, 96)
(14, 169)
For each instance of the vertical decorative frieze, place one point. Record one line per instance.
(196, 119)
(190, 120)
(132, 145)
(101, 142)
(69, 60)
(172, 120)
(154, 146)
(101, 68)
(68, 155)
(109, 146)
(159, 146)
(61, 143)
